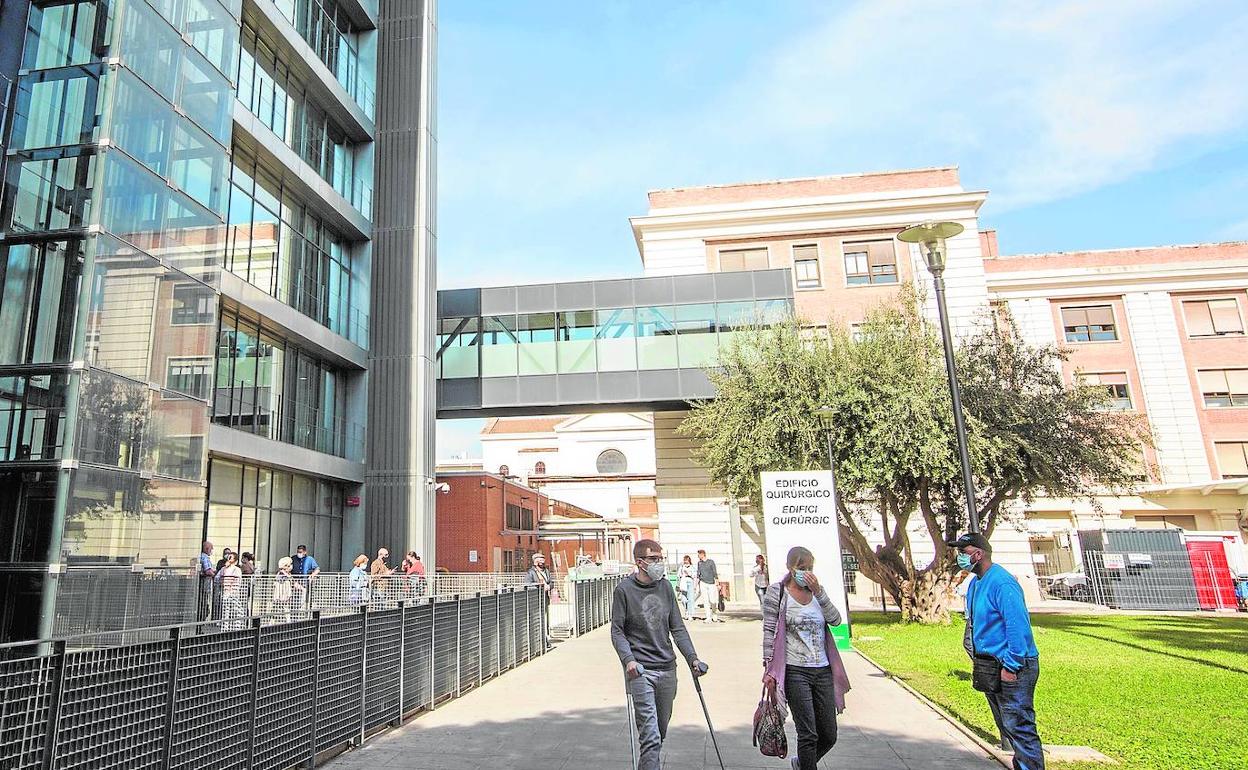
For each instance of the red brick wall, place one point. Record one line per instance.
(471, 517)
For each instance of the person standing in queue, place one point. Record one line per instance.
(645, 619)
(801, 665)
(1000, 632)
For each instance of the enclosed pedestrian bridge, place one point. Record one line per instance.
(585, 346)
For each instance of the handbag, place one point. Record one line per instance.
(769, 734)
(985, 669)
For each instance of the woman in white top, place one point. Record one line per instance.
(761, 581)
(232, 606)
(687, 583)
(800, 661)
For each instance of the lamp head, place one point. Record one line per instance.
(825, 414)
(932, 236)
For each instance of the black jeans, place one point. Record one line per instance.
(1016, 705)
(812, 702)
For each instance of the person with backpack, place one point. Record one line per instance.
(801, 665)
(645, 619)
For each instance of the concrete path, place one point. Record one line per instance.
(566, 710)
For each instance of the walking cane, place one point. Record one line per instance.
(632, 722)
(700, 669)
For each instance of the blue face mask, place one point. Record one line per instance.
(799, 576)
(964, 562)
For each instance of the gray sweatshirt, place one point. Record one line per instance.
(644, 621)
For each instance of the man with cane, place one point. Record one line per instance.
(645, 619)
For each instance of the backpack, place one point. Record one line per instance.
(769, 734)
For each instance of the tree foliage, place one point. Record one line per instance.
(1030, 433)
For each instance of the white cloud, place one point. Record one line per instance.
(1036, 100)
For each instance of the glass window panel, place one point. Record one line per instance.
(224, 523)
(616, 344)
(212, 32)
(175, 437)
(536, 332)
(250, 480)
(56, 107)
(303, 531)
(60, 35)
(304, 493)
(192, 376)
(1232, 459)
(576, 341)
(281, 490)
(743, 259)
(206, 97)
(772, 311)
(857, 270)
(458, 347)
(38, 284)
(499, 344)
(279, 535)
(806, 273)
(656, 338)
(151, 47)
(1199, 319)
(113, 414)
(266, 559)
(697, 343)
(323, 539)
(199, 167)
(226, 482)
(105, 515)
(134, 203)
(1226, 317)
(53, 194)
(141, 122)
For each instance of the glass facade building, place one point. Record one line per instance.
(130, 190)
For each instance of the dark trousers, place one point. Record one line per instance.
(812, 702)
(1016, 705)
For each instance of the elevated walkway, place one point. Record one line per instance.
(566, 710)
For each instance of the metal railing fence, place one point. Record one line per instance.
(591, 602)
(262, 696)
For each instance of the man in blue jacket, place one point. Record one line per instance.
(1001, 627)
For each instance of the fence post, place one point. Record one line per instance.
(480, 645)
(498, 626)
(363, 673)
(316, 685)
(433, 650)
(171, 692)
(459, 639)
(255, 693)
(398, 718)
(54, 706)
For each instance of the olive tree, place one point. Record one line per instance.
(1030, 433)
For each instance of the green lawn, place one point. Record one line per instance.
(1155, 693)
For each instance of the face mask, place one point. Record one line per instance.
(964, 562)
(799, 576)
(656, 571)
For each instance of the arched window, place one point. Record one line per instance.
(539, 469)
(612, 461)
(504, 471)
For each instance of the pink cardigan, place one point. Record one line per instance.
(776, 666)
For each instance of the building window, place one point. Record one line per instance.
(193, 304)
(872, 262)
(512, 518)
(181, 457)
(743, 259)
(1115, 383)
(1232, 459)
(612, 461)
(1213, 317)
(539, 469)
(192, 376)
(1094, 323)
(526, 519)
(806, 267)
(1224, 387)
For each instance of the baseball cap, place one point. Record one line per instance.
(971, 539)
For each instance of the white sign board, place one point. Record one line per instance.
(1115, 561)
(799, 508)
(472, 556)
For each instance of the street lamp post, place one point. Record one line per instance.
(826, 413)
(931, 237)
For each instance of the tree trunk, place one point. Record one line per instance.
(926, 599)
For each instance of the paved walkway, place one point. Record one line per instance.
(566, 710)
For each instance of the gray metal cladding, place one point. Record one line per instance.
(383, 669)
(26, 691)
(267, 697)
(113, 707)
(418, 656)
(212, 699)
(339, 687)
(469, 643)
(287, 672)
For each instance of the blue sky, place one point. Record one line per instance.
(1093, 125)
